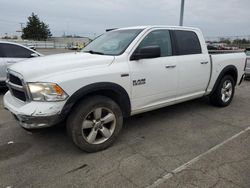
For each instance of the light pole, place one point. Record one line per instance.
(182, 12)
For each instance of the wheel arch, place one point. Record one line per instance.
(228, 70)
(108, 89)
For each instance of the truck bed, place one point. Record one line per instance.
(224, 51)
(221, 60)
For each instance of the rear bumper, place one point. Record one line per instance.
(34, 115)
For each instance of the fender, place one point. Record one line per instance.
(109, 89)
(231, 70)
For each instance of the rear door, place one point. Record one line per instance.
(12, 54)
(193, 64)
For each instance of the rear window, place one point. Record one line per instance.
(187, 43)
(14, 51)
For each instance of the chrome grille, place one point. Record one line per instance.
(15, 80)
(16, 86)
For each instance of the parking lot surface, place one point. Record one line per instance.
(192, 144)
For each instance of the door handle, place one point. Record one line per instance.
(204, 62)
(170, 66)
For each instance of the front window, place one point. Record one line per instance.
(113, 42)
(159, 38)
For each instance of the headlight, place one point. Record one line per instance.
(46, 92)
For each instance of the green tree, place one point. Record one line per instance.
(36, 29)
(225, 40)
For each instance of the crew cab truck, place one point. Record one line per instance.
(121, 73)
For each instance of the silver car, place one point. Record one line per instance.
(11, 53)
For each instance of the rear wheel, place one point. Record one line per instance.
(95, 123)
(224, 93)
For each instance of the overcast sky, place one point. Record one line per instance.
(87, 17)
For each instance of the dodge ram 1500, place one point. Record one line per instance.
(121, 73)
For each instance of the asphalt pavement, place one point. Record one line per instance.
(192, 144)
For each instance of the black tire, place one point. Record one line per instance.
(87, 109)
(216, 98)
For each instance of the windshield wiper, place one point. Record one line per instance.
(94, 52)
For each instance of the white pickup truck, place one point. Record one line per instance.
(121, 73)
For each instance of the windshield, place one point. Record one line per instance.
(113, 42)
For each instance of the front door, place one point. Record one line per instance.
(154, 81)
(5, 63)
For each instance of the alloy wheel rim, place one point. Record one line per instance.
(98, 126)
(226, 91)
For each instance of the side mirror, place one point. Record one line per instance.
(147, 53)
(34, 55)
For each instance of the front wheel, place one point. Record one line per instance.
(224, 93)
(95, 123)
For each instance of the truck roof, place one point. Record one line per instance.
(161, 26)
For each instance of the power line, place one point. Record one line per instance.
(8, 21)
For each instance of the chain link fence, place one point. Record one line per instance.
(55, 42)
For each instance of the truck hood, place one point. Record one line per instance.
(35, 68)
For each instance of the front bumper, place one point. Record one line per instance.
(33, 115)
(30, 122)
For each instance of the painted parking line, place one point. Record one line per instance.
(186, 165)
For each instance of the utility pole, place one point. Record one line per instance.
(21, 24)
(182, 12)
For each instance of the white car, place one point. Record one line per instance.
(11, 53)
(121, 73)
